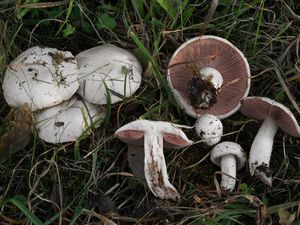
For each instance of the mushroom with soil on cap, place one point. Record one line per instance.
(67, 121)
(209, 128)
(108, 69)
(41, 77)
(274, 115)
(230, 157)
(153, 136)
(209, 75)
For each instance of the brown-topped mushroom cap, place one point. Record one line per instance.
(220, 54)
(260, 108)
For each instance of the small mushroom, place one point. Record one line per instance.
(209, 128)
(153, 136)
(67, 121)
(41, 77)
(230, 157)
(209, 75)
(110, 66)
(274, 115)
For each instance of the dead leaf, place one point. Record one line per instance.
(286, 218)
(19, 123)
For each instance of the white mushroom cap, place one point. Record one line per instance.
(41, 77)
(230, 157)
(228, 148)
(153, 136)
(67, 121)
(209, 128)
(118, 68)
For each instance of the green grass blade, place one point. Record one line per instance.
(69, 11)
(19, 204)
(139, 7)
(168, 7)
(108, 105)
(148, 56)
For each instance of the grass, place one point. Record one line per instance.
(90, 182)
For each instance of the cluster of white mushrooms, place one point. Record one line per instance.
(67, 94)
(210, 80)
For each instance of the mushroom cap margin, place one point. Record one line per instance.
(226, 148)
(260, 108)
(133, 133)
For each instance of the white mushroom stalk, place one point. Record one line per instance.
(230, 157)
(215, 77)
(204, 87)
(261, 151)
(274, 116)
(152, 135)
(209, 128)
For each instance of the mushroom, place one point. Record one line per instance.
(153, 136)
(209, 128)
(108, 68)
(209, 75)
(274, 115)
(230, 157)
(41, 77)
(67, 121)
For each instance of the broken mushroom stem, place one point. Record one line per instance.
(261, 150)
(204, 87)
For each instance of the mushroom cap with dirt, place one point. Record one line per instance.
(209, 75)
(274, 115)
(108, 69)
(209, 128)
(68, 121)
(230, 157)
(153, 136)
(41, 77)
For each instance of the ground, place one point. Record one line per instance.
(89, 181)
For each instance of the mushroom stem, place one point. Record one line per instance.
(155, 168)
(228, 166)
(261, 149)
(210, 73)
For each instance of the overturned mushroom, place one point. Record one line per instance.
(41, 77)
(154, 135)
(209, 75)
(274, 115)
(108, 69)
(67, 121)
